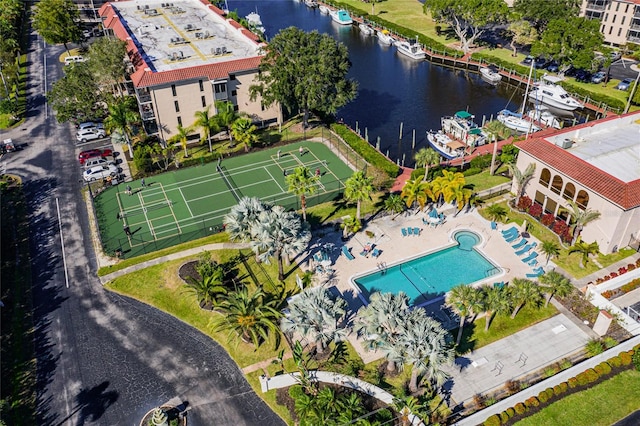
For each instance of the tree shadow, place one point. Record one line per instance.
(468, 341)
(92, 403)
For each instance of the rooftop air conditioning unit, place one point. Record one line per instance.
(565, 143)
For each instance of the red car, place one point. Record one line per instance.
(85, 155)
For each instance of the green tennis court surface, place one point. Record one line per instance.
(183, 205)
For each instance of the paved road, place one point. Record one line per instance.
(102, 358)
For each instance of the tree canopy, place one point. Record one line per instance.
(76, 95)
(305, 71)
(570, 40)
(468, 18)
(57, 21)
(106, 60)
(542, 12)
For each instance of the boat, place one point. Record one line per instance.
(459, 135)
(490, 75)
(515, 121)
(255, 23)
(341, 17)
(324, 9)
(311, 3)
(412, 50)
(549, 92)
(543, 115)
(366, 29)
(385, 37)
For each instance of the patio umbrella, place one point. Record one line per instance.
(433, 213)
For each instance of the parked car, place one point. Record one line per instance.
(583, 76)
(540, 62)
(598, 77)
(98, 161)
(89, 134)
(527, 60)
(553, 66)
(615, 56)
(93, 153)
(625, 84)
(100, 172)
(90, 124)
(73, 59)
(571, 72)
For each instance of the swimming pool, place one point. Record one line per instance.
(430, 276)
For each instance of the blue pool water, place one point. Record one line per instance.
(433, 274)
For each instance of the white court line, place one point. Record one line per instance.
(185, 202)
(274, 179)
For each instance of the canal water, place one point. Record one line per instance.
(394, 91)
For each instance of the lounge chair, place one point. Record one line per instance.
(409, 231)
(375, 252)
(499, 284)
(520, 243)
(494, 225)
(512, 238)
(317, 257)
(416, 231)
(533, 262)
(347, 253)
(530, 257)
(425, 221)
(404, 232)
(524, 249)
(509, 231)
(536, 273)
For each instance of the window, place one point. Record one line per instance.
(563, 214)
(539, 198)
(173, 90)
(622, 22)
(626, 9)
(610, 30)
(619, 31)
(201, 83)
(220, 87)
(617, 7)
(234, 93)
(569, 191)
(582, 200)
(613, 21)
(545, 177)
(606, 17)
(204, 101)
(179, 121)
(232, 77)
(556, 185)
(551, 206)
(176, 105)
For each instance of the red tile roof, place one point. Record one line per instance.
(623, 194)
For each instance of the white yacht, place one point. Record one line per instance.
(385, 37)
(549, 92)
(490, 75)
(412, 50)
(515, 121)
(543, 115)
(341, 17)
(324, 9)
(459, 134)
(365, 29)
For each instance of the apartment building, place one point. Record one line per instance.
(185, 55)
(620, 19)
(596, 165)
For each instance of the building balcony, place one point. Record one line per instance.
(144, 97)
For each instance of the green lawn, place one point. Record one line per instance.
(602, 405)
(485, 180)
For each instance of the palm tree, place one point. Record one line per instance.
(461, 196)
(244, 131)
(460, 298)
(494, 300)
(554, 283)
(250, 316)
(208, 124)
(381, 323)
(426, 157)
(550, 249)
(122, 115)
(394, 204)
(580, 218)
(358, 188)
(416, 191)
(521, 178)
(242, 218)
(523, 291)
(585, 249)
(209, 289)
(225, 116)
(496, 212)
(302, 183)
(182, 136)
(350, 225)
(447, 185)
(317, 316)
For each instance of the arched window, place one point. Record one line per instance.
(545, 177)
(582, 200)
(569, 191)
(556, 184)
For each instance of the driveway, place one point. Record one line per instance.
(103, 358)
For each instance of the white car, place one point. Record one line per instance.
(100, 172)
(98, 161)
(89, 134)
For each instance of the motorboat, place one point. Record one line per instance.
(341, 17)
(385, 37)
(444, 145)
(366, 29)
(311, 3)
(515, 121)
(543, 115)
(412, 50)
(490, 75)
(549, 92)
(255, 23)
(324, 9)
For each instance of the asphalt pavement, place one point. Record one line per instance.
(102, 358)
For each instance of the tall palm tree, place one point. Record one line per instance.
(496, 212)
(208, 124)
(426, 157)
(460, 298)
(416, 191)
(250, 316)
(350, 225)
(225, 116)
(381, 324)
(523, 291)
(182, 136)
(122, 116)
(302, 183)
(448, 184)
(580, 219)
(316, 316)
(244, 131)
(550, 249)
(394, 204)
(585, 249)
(461, 196)
(521, 178)
(494, 300)
(358, 187)
(554, 283)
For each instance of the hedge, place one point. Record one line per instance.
(369, 153)
(520, 408)
(493, 421)
(625, 358)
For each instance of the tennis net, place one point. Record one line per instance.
(230, 184)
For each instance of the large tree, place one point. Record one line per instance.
(521, 178)
(554, 283)
(58, 21)
(580, 218)
(106, 61)
(426, 157)
(358, 187)
(208, 124)
(461, 299)
(76, 95)
(468, 18)
(416, 191)
(302, 183)
(522, 33)
(542, 12)
(305, 71)
(123, 114)
(244, 132)
(522, 291)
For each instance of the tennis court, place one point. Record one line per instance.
(186, 204)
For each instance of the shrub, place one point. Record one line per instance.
(615, 361)
(479, 400)
(564, 386)
(504, 418)
(512, 386)
(520, 408)
(481, 161)
(625, 358)
(565, 363)
(557, 390)
(471, 171)
(550, 371)
(560, 227)
(542, 397)
(524, 203)
(547, 219)
(493, 421)
(631, 267)
(531, 402)
(587, 376)
(636, 360)
(573, 382)
(638, 263)
(510, 412)
(609, 342)
(535, 210)
(604, 368)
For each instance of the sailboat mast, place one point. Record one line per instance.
(526, 91)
